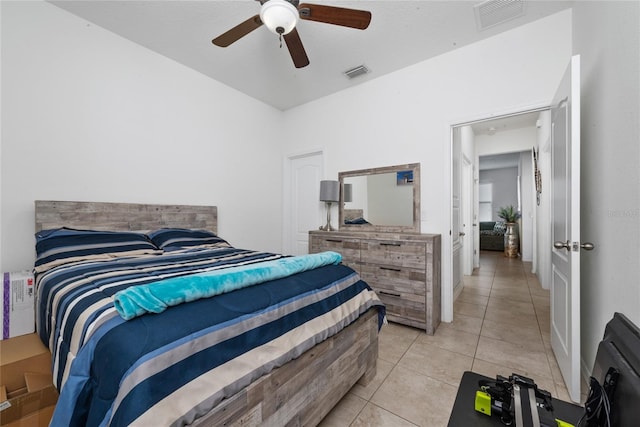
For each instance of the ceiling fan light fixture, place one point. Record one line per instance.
(279, 16)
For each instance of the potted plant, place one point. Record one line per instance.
(509, 214)
(511, 241)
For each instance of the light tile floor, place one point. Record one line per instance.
(501, 326)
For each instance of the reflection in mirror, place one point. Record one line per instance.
(382, 199)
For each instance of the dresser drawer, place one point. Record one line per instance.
(348, 248)
(402, 291)
(403, 254)
(407, 309)
(395, 279)
(404, 270)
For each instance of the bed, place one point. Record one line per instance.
(282, 352)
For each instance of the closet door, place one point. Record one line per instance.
(303, 210)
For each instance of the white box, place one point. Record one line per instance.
(17, 308)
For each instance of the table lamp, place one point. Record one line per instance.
(329, 193)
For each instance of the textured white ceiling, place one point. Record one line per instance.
(401, 33)
(501, 124)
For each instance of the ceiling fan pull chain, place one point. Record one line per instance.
(280, 38)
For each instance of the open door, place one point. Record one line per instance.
(565, 219)
(468, 236)
(457, 233)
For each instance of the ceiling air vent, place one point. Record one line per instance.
(493, 12)
(357, 71)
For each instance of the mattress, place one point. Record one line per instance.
(172, 368)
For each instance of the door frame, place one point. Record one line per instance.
(468, 212)
(447, 247)
(287, 203)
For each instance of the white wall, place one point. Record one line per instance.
(88, 115)
(507, 141)
(405, 116)
(505, 188)
(606, 36)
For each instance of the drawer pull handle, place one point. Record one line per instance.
(391, 294)
(390, 244)
(391, 269)
(334, 240)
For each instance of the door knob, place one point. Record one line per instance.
(587, 246)
(462, 233)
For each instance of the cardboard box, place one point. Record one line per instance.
(25, 376)
(17, 304)
(40, 418)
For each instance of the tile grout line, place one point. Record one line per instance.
(547, 353)
(368, 401)
(493, 278)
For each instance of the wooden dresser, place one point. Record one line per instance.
(403, 269)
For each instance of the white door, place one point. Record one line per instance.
(303, 209)
(456, 209)
(475, 224)
(467, 216)
(565, 220)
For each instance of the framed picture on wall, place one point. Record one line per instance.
(537, 177)
(404, 178)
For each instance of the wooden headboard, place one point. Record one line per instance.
(123, 216)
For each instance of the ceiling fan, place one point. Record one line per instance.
(281, 17)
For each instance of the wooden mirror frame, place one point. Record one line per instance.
(415, 228)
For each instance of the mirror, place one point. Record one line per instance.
(383, 199)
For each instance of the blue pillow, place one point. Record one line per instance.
(63, 245)
(183, 237)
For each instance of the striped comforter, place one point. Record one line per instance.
(172, 368)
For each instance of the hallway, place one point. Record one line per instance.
(501, 326)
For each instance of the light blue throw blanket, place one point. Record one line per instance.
(158, 296)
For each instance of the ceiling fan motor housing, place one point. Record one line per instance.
(293, 2)
(279, 16)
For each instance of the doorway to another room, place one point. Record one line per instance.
(493, 167)
(508, 157)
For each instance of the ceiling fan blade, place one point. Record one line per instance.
(352, 18)
(237, 32)
(294, 44)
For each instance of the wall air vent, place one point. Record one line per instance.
(493, 12)
(357, 71)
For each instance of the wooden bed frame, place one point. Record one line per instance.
(301, 392)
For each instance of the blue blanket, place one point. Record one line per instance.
(158, 296)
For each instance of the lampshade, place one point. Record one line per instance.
(279, 16)
(329, 190)
(348, 193)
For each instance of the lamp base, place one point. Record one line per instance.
(328, 226)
